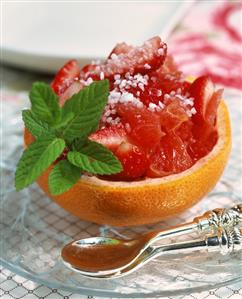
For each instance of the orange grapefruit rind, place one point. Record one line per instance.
(150, 200)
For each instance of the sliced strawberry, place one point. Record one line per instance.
(111, 137)
(171, 157)
(212, 107)
(144, 59)
(133, 160)
(205, 137)
(89, 68)
(145, 130)
(201, 90)
(75, 87)
(121, 48)
(91, 71)
(65, 76)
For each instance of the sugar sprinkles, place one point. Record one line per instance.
(147, 66)
(130, 86)
(114, 56)
(121, 94)
(86, 82)
(102, 76)
(161, 51)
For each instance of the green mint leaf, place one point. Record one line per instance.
(78, 143)
(63, 176)
(65, 119)
(37, 158)
(95, 158)
(33, 124)
(44, 103)
(87, 106)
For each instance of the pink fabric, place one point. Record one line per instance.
(209, 41)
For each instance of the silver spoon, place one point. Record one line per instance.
(103, 257)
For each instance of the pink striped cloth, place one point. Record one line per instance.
(209, 41)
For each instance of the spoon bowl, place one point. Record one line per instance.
(102, 255)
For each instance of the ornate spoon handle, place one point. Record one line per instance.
(211, 221)
(217, 218)
(226, 241)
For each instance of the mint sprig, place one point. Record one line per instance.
(64, 129)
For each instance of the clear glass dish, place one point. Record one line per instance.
(34, 229)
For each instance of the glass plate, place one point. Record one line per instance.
(34, 229)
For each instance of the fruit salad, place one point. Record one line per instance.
(127, 141)
(156, 122)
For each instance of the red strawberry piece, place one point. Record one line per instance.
(205, 137)
(145, 129)
(65, 76)
(91, 71)
(111, 137)
(89, 68)
(75, 87)
(133, 160)
(201, 90)
(121, 48)
(142, 60)
(212, 107)
(151, 93)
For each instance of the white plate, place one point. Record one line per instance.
(43, 35)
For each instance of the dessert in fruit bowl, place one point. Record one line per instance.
(127, 141)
